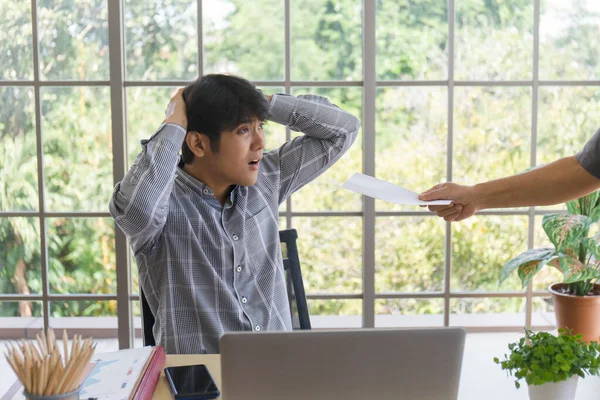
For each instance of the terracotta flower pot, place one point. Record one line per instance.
(579, 313)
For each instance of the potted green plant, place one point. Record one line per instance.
(577, 255)
(551, 365)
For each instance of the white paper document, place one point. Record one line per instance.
(386, 191)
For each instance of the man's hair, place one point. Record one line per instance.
(217, 103)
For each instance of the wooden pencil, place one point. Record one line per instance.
(42, 341)
(66, 346)
(49, 340)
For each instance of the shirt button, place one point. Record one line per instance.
(257, 328)
(235, 237)
(239, 268)
(244, 300)
(206, 191)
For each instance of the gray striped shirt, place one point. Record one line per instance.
(205, 268)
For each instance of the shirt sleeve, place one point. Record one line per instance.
(139, 203)
(328, 133)
(589, 156)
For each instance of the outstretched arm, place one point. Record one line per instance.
(554, 183)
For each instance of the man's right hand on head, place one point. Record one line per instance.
(176, 111)
(463, 201)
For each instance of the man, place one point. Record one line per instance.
(563, 180)
(204, 227)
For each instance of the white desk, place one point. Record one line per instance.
(496, 388)
(481, 378)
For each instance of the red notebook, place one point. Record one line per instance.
(149, 377)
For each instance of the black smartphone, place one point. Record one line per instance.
(191, 382)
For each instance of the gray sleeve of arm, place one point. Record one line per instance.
(139, 203)
(589, 156)
(328, 133)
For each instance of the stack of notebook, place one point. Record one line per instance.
(126, 374)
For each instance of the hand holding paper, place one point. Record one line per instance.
(386, 191)
(466, 200)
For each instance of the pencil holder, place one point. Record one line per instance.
(46, 372)
(72, 395)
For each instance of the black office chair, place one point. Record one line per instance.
(293, 278)
(147, 321)
(294, 283)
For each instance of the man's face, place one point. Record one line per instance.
(240, 152)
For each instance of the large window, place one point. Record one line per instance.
(462, 90)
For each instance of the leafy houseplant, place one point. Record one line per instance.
(576, 254)
(542, 358)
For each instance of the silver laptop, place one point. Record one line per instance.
(416, 364)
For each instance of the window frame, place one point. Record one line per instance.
(118, 84)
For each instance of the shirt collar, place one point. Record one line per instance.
(202, 189)
(195, 184)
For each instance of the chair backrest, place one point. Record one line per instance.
(147, 321)
(294, 282)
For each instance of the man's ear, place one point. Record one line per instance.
(198, 143)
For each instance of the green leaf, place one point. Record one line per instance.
(575, 271)
(548, 376)
(531, 261)
(565, 230)
(593, 246)
(595, 214)
(585, 205)
(555, 263)
(527, 271)
(538, 381)
(574, 207)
